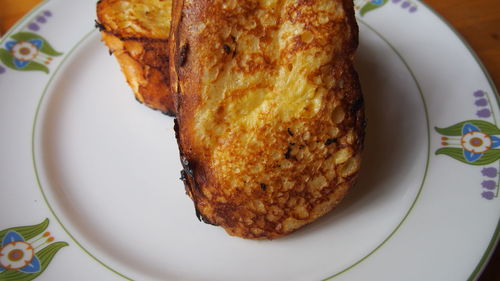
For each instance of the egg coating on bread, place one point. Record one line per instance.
(270, 121)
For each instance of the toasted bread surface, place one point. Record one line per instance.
(270, 120)
(136, 32)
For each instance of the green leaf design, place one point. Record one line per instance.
(35, 66)
(370, 7)
(456, 130)
(453, 152)
(11, 275)
(45, 256)
(46, 47)
(27, 232)
(7, 58)
(488, 157)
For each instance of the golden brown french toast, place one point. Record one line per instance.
(270, 121)
(136, 32)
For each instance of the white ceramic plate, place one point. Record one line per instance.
(93, 175)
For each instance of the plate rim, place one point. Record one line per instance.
(495, 238)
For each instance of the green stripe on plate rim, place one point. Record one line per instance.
(474, 273)
(426, 164)
(124, 276)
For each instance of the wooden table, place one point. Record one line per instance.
(478, 21)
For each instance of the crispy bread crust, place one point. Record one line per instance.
(141, 52)
(270, 116)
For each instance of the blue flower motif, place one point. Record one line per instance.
(475, 143)
(27, 51)
(17, 254)
(377, 2)
(24, 52)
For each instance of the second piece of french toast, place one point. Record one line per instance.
(136, 32)
(270, 121)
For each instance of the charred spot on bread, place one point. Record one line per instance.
(183, 54)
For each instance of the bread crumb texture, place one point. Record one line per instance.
(277, 118)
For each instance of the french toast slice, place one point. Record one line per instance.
(136, 32)
(270, 121)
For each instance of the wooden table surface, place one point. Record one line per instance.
(478, 21)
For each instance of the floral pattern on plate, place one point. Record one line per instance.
(475, 142)
(28, 51)
(26, 251)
